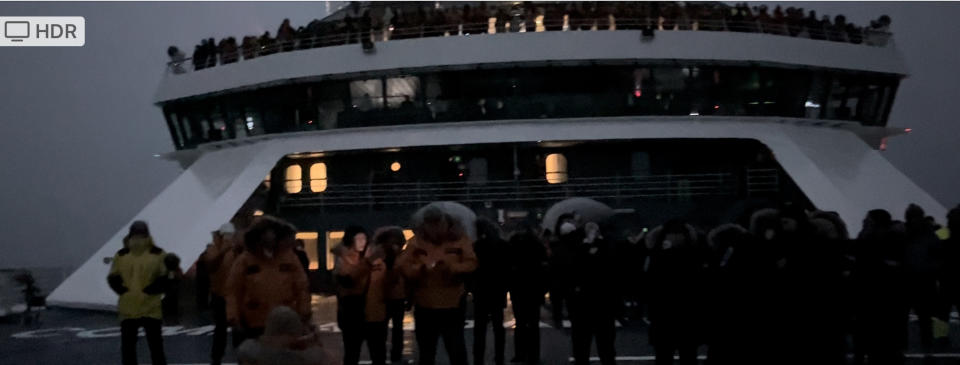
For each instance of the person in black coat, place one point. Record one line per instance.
(950, 271)
(921, 266)
(878, 279)
(489, 290)
(676, 277)
(561, 264)
(527, 285)
(595, 300)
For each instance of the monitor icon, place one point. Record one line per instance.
(15, 31)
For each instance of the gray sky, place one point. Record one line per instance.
(78, 128)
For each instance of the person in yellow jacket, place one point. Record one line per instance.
(138, 276)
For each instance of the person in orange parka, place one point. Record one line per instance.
(392, 240)
(434, 264)
(361, 307)
(266, 275)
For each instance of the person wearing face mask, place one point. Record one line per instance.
(594, 300)
(138, 276)
(266, 275)
(676, 275)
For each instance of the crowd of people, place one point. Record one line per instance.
(368, 24)
(789, 285)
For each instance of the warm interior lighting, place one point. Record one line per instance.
(310, 247)
(266, 181)
(318, 177)
(333, 239)
(294, 177)
(556, 168)
(395, 166)
(257, 213)
(306, 155)
(408, 234)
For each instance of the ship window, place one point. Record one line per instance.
(556, 168)
(310, 247)
(333, 239)
(366, 94)
(294, 177)
(266, 181)
(318, 177)
(402, 89)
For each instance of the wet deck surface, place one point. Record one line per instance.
(67, 336)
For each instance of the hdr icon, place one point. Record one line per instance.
(68, 31)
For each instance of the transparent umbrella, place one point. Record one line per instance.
(459, 211)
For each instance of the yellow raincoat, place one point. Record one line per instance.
(139, 265)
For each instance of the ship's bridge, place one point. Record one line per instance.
(507, 69)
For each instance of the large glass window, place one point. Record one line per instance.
(536, 92)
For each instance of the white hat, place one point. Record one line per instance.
(227, 228)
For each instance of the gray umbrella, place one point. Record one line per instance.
(459, 211)
(588, 209)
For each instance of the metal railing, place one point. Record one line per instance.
(604, 188)
(249, 51)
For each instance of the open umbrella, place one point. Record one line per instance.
(459, 211)
(588, 209)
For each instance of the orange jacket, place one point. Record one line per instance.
(360, 276)
(435, 272)
(256, 285)
(219, 261)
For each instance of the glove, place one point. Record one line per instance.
(158, 286)
(116, 283)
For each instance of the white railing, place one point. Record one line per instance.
(249, 51)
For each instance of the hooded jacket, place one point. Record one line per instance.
(437, 287)
(137, 274)
(256, 285)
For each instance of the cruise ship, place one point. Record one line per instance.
(508, 108)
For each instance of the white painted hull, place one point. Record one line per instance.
(834, 167)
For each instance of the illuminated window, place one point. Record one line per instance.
(333, 239)
(539, 22)
(310, 247)
(318, 177)
(556, 168)
(294, 177)
(266, 181)
(257, 213)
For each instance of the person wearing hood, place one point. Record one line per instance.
(434, 265)
(138, 276)
(950, 271)
(354, 271)
(878, 279)
(217, 260)
(392, 239)
(921, 265)
(676, 276)
(489, 287)
(594, 300)
(285, 341)
(728, 281)
(815, 280)
(561, 262)
(527, 287)
(264, 276)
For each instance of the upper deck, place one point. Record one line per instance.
(411, 36)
